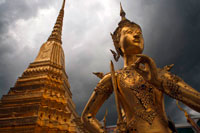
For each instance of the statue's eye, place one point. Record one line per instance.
(130, 32)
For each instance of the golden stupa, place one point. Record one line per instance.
(41, 100)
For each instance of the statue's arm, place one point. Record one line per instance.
(168, 83)
(98, 97)
(176, 88)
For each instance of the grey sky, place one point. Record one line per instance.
(171, 32)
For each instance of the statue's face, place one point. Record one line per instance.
(131, 40)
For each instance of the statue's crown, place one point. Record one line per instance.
(116, 35)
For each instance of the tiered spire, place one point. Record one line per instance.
(57, 30)
(41, 100)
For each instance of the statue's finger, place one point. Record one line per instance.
(140, 61)
(145, 58)
(141, 72)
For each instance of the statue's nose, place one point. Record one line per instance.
(136, 36)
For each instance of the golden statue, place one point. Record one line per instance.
(139, 87)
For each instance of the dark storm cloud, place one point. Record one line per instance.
(10, 12)
(170, 28)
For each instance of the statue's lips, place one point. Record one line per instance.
(136, 41)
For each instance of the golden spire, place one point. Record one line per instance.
(122, 13)
(57, 30)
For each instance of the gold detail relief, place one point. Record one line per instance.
(171, 83)
(173, 89)
(143, 92)
(45, 51)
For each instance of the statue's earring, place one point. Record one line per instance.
(115, 55)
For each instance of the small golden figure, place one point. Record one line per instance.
(138, 87)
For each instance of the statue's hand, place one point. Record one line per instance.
(149, 69)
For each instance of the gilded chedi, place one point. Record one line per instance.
(41, 100)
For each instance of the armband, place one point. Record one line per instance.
(171, 88)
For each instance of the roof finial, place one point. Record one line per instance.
(122, 13)
(63, 5)
(57, 29)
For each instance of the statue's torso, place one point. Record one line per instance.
(142, 103)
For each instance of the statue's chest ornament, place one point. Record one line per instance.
(129, 79)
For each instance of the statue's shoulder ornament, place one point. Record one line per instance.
(105, 84)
